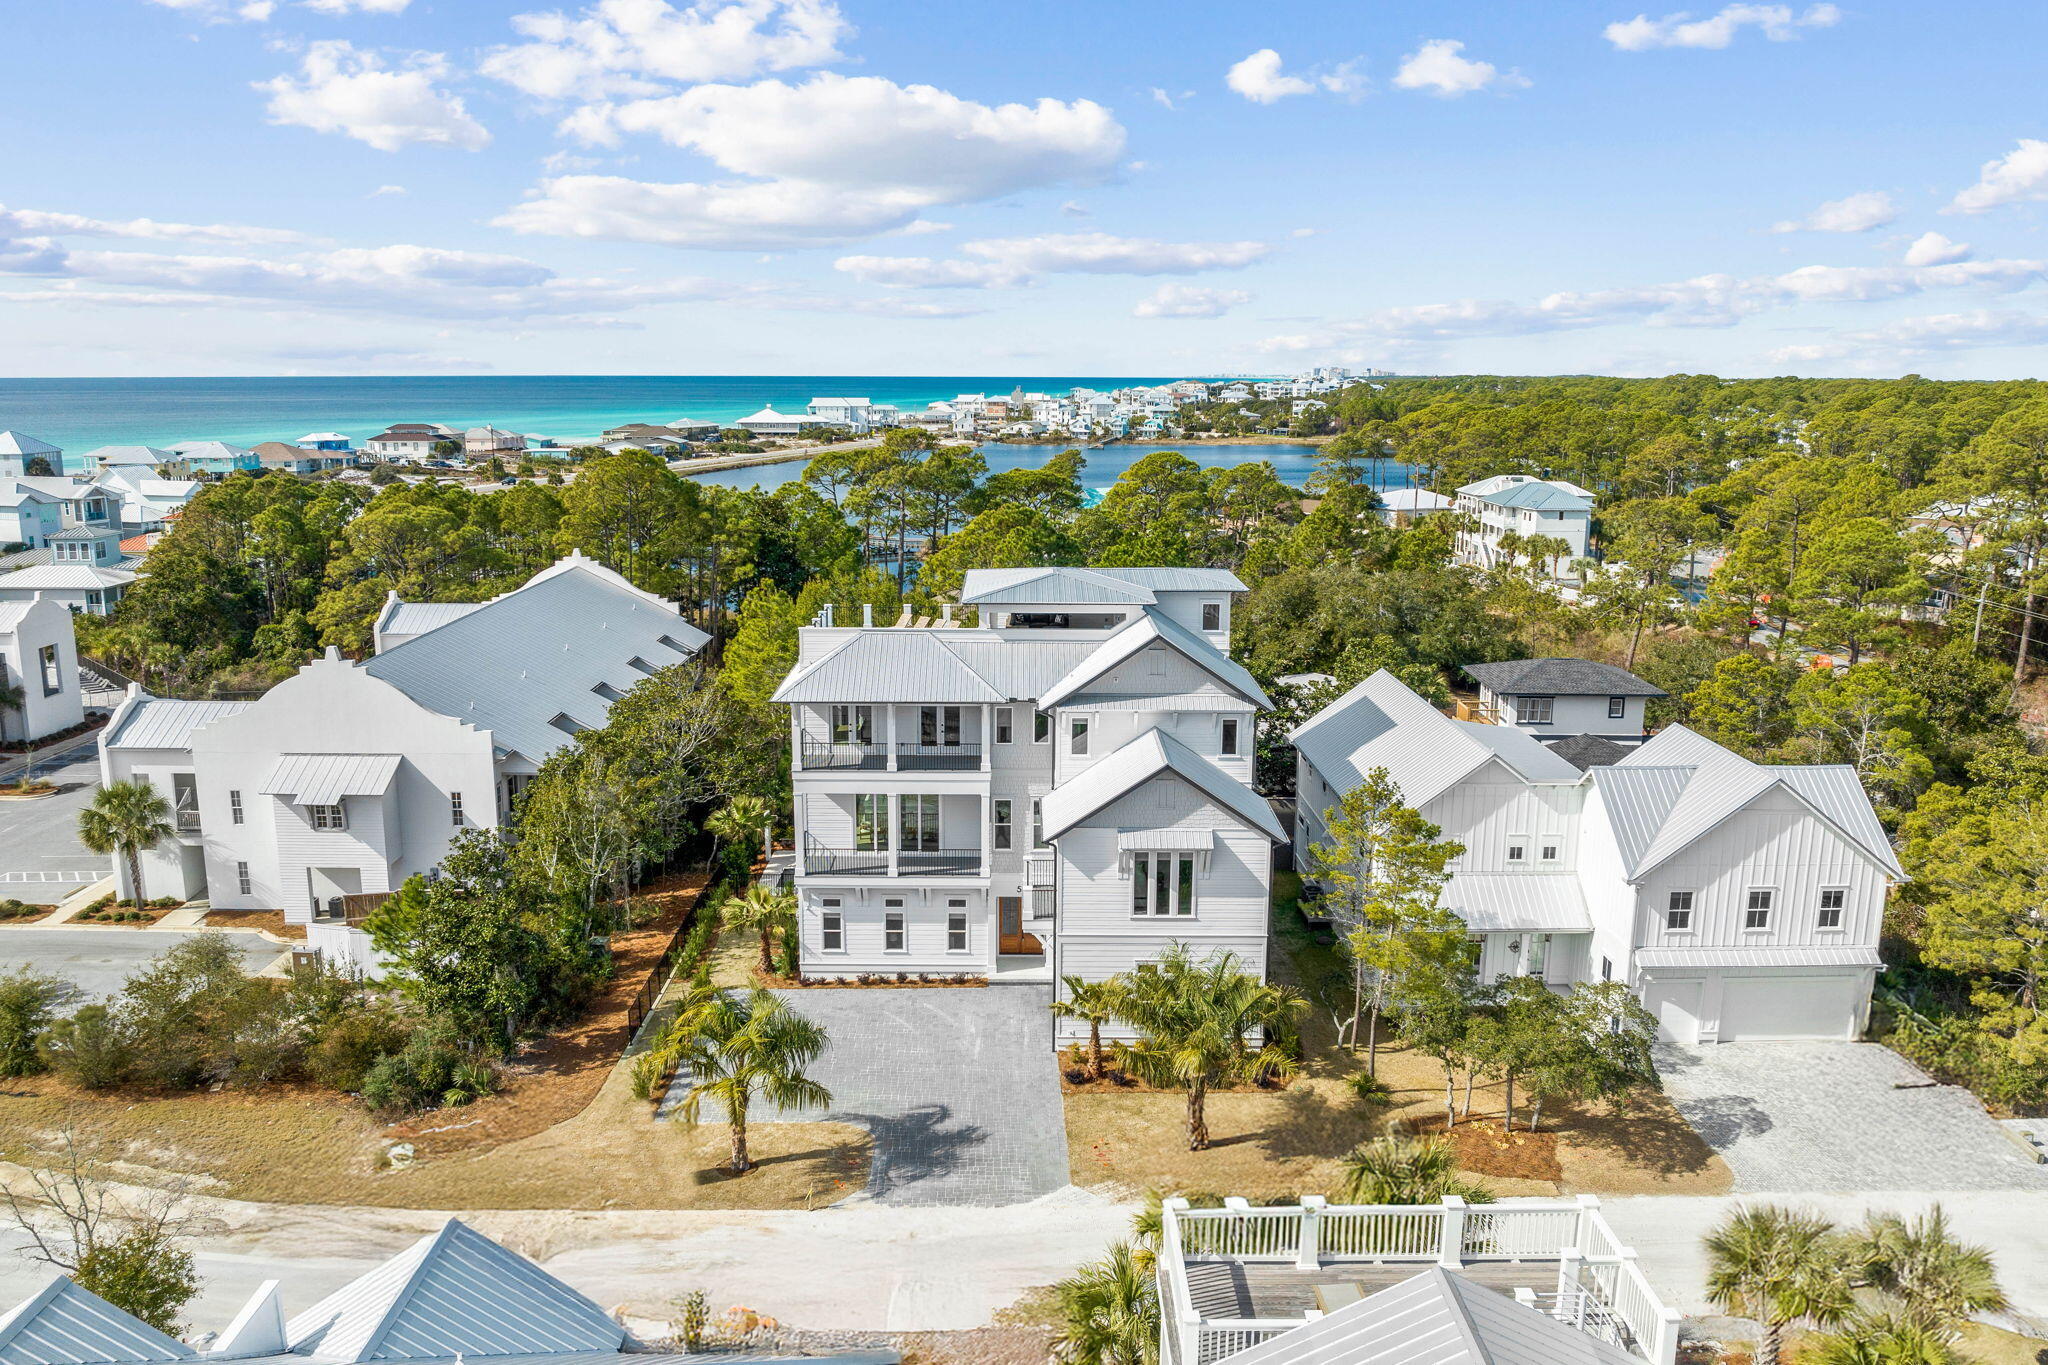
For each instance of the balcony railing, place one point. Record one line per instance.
(188, 822)
(818, 753)
(875, 862)
(938, 757)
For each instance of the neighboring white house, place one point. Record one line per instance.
(1742, 901)
(18, 451)
(481, 443)
(349, 777)
(411, 441)
(1528, 506)
(769, 422)
(1062, 790)
(109, 457)
(453, 1296)
(1400, 506)
(39, 655)
(1559, 698)
(87, 572)
(28, 516)
(855, 414)
(146, 499)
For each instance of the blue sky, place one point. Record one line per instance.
(885, 187)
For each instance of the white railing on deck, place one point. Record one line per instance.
(1600, 1287)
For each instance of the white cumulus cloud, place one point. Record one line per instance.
(827, 161)
(1779, 23)
(1437, 67)
(222, 11)
(1851, 213)
(1189, 301)
(340, 7)
(625, 47)
(1259, 79)
(38, 222)
(341, 88)
(2018, 176)
(1931, 248)
(1008, 262)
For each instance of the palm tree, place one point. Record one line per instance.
(1938, 1281)
(740, 1046)
(1109, 1311)
(1095, 1003)
(1192, 1020)
(1884, 1337)
(1397, 1170)
(764, 910)
(737, 821)
(1778, 1266)
(128, 819)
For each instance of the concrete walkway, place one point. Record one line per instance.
(959, 1087)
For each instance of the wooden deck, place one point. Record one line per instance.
(1234, 1289)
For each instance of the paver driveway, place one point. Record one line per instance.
(1839, 1117)
(959, 1087)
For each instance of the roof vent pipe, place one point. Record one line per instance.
(827, 614)
(867, 615)
(946, 612)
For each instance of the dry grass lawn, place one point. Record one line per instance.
(565, 1133)
(1270, 1144)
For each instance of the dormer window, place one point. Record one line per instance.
(1212, 616)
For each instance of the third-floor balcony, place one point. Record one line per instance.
(821, 755)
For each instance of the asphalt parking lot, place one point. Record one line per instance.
(100, 959)
(41, 860)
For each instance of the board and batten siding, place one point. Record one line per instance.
(1774, 842)
(1484, 810)
(1610, 900)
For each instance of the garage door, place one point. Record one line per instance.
(1788, 1007)
(1677, 1007)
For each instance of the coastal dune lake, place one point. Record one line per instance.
(1293, 463)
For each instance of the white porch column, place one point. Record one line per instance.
(1664, 1347)
(891, 728)
(1450, 1251)
(1309, 1253)
(988, 740)
(1589, 1209)
(799, 826)
(893, 807)
(1571, 1294)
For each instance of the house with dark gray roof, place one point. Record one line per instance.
(345, 779)
(1741, 900)
(1061, 788)
(1558, 698)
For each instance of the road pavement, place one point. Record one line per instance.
(41, 860)
(100, 958)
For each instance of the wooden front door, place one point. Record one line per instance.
(1010, 934)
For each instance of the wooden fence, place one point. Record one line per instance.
(657, 979)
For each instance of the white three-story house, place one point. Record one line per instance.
(1064, 788)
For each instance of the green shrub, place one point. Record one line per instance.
(90, 1049)
(429, 1070)
(28, 1005)
(143, 1272)
(344, 1051)
(1369, 1088)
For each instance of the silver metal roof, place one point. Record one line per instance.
(1503, 902)
(1051, 587)
(417, 618)
(1156, 627)
(1179, 580)
(61, 1324)
(161, 723)
(1435, 1318)
(1138, 762)
(519, 660)
(74, 576)
(887, 665)
(1810, 955)
(453, 1292)
(323, 779)
(1382, 723)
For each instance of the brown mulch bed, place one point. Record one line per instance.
(1484, 1149)
(557, 1077)
(272, 920)
(785, 983)
(16, 748)
(150, 915)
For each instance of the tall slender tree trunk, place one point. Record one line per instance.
(1094, 1049)
(1507, 1112)
(741, 1162)
(1536, 1114)
(135, 875)
(1769, 1343)
(767, 948)
(1372, 1040)
(1466, 1112)
(1198, 1115)
(2019, 663)
(1450, 1097)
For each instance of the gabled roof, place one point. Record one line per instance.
(78, 533)
(15, 443)
(770, 415)
(1382, 723)
(1155, 627)
(1560, 678)
(1680, 786)
(454, 1292)
(537, 652)
(417, 618)
(62, 1324)
(1537, 497)
(120, 455)
(210, 450)
(1054, 586)
(166, 723)
(1138, 762)
(74, 577)
(1435, 1318)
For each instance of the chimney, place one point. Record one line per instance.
(333, 654)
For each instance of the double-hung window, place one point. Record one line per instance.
(1678, 913)
(1617, 707)
(234, 808)
(1001, 824)
(328, 817)
(1548, 849)
(1756, 912)
(832, 932)
(1077, 735)
(1003, 724)
(1212, 616)
(1518, 850)
(956, 931)
(242, 879)
(894, 935)
(1834, 901)
(1162, 883)
(1226, 739)
(455, 810)
(1536, 710)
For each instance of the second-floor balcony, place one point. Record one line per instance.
(822, 755)
(821, 858)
